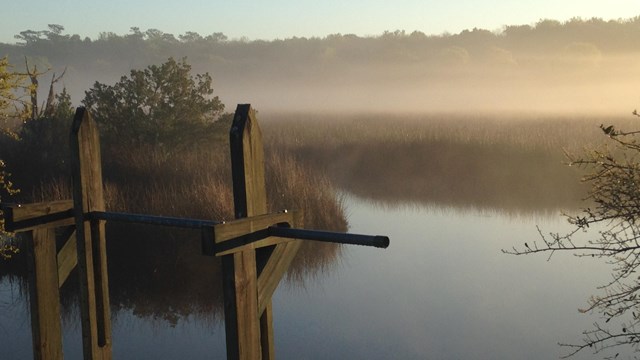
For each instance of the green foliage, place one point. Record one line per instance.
(10, 83)
(159, 106)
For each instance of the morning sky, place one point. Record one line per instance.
(287, 18)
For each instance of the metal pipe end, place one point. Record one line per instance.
(381, 241)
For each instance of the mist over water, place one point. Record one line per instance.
(607, 86)
(538, 85)
(579, 66)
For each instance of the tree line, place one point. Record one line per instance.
(511, 45)
(546, 35)
(387, 68)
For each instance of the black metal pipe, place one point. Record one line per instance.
(378, 241)
(151, 219)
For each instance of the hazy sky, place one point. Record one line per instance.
(286, 18)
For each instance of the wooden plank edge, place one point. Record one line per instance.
(67, 259)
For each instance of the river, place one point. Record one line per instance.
(442, 290)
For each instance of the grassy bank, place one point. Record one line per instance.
(507, 163)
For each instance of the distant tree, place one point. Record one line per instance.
(162, 106)
(136, 33)
(159, 36)
(54, 33)
(29, 36)
(217, 37)
(190, 36)
(615, 219)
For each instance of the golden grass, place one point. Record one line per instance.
(526, 131)
(507, 163)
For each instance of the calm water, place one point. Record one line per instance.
(442, 290)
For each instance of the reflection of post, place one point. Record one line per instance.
(45, 300)
(92, 256)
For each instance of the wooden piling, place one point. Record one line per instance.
(91, 245)
(250, 277)
(239, 273)
(46, 329)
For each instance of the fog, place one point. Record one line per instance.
(580, 66)
(609, 86)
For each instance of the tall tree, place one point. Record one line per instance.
(162, 105)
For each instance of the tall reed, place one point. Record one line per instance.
(488, 162)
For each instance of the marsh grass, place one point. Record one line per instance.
(526, 131)
(157, 272)
(513, 163)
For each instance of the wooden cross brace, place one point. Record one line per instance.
(256, 249)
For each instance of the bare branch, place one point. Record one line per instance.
(614, 217)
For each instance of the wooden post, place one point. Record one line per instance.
(45, 297)
(239, 273)
(91, 246)
(250, 277)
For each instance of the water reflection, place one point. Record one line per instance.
(166, 297)
(15, 325)
(442, 290)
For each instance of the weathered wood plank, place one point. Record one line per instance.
(266, 334)
(19, 217)
(245, 336)
(274, 270)
(276, 266)
(91, 246)
(247, 164)
(239, 271)
(67, 258)
(231, 237)
(233, 229)
(45, 297)
(247, 244)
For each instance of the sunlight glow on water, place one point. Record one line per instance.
(442, 290)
